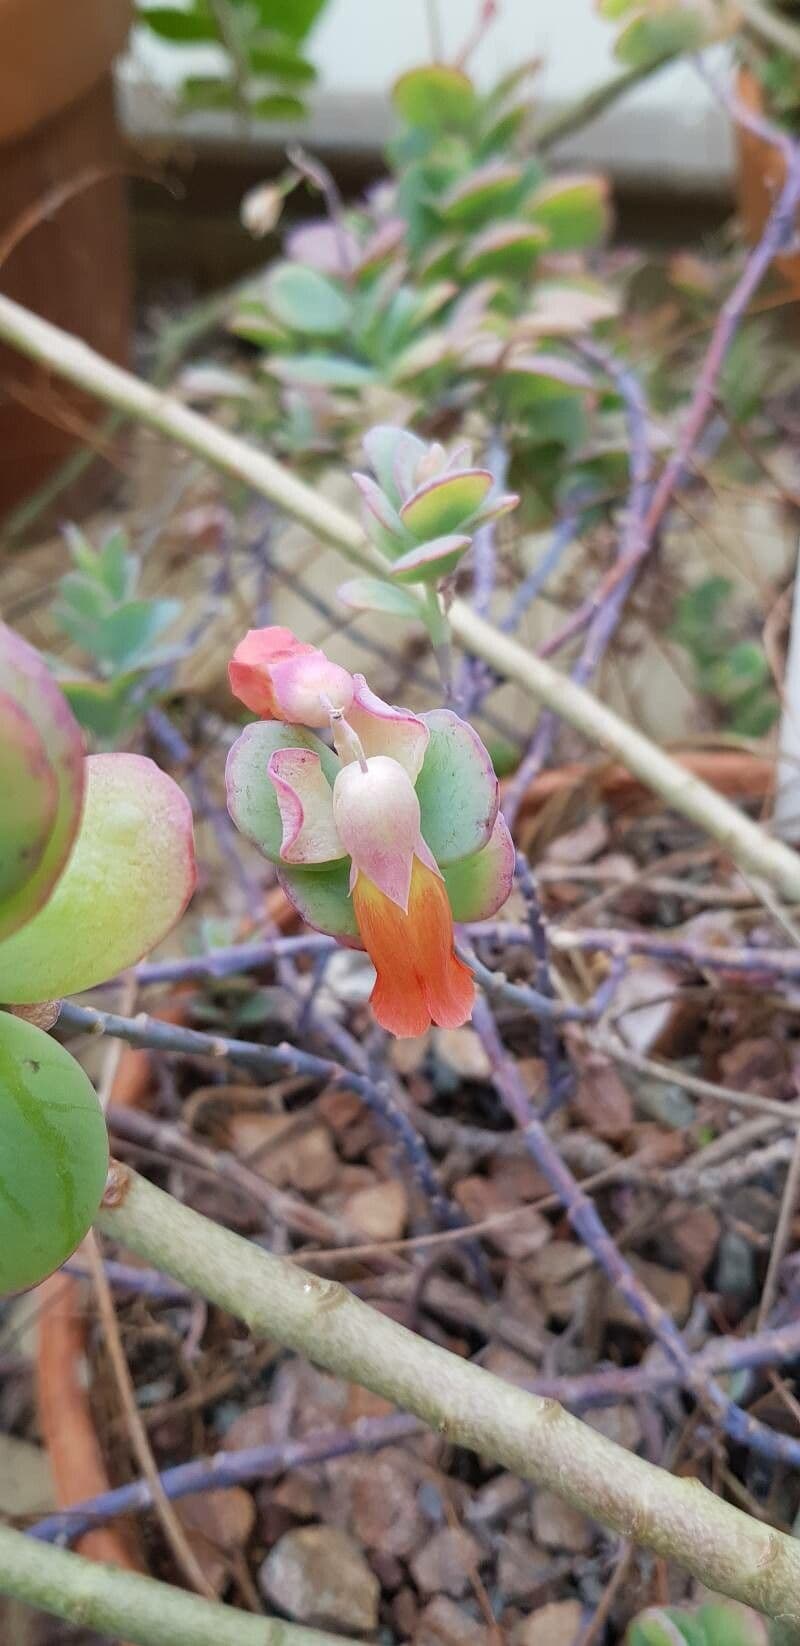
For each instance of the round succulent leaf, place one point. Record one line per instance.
(53, 1154)
(128, 880)
(573, 211)
(665, 1626)
(252, 801)
(436, 97)
(28, 684)
(442, 505)
(507, 250)
(456, 788)
(373, 594)
(428, 562)
(483, 194)
(650, 36)
(726, 1623)
(30, 797)
(479, 885)
(306, 301)
(319, 371)
(322, 899)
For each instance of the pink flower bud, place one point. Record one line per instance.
(282, 678)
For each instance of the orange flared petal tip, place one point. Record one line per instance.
(420, 977)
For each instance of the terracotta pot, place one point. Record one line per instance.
(761, 173)
(57, 129)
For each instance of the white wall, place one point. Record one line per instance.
(669, 131)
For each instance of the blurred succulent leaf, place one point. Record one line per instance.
(305, 301)
(484, 193)
(573, 211)
(129, 877)
(504, 250)
(184, 27)
(429, 562)
(329, 371)
(43, 768)
(294, 18)
(437, 97)
(53, 1154)
(208, 91)
(374, 594)
(276, 106)
(269, 55)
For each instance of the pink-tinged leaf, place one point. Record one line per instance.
(574, 211)
(457, 788)
(384, 729)
(379, 506)
(252, 799)
(486, 191)
(444, 504)
(305, 802)
(479, 885)
(549, 374)
(322, 899)
(53, 1154)
(52, 738)
(324, 247)
(428, 562)
(389, 449)
(492, 509)
(128, 880)
(380, 246)
(506, 249)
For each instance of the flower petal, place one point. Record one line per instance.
(377, 816)
(281, 678)
(479, 885)
(252, 798)
(420, 978)
(127, 882)
(37, 721)
(305, 802)
(457, 789)
(384, 729)
(322, 899)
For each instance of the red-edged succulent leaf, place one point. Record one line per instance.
(53, 1154)
(442, 505)
(456, 788)
(483, 193)
(574, 211)
(428, 562)
(505, 249)
(42, 774)
(436, 97)
(479, 885)
(128, 880)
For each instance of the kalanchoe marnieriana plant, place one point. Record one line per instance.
(96, 865)
(381, 841)
(421, 510)
(99, 607)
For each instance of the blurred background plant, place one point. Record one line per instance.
(262, 71)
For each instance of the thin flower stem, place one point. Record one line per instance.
(747, 843)
(535, 1438)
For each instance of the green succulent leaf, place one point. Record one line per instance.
(504, 251)
(485, 193)
(437, 98)
(479, 885)
(373, 594)
(322, 899)
(42, 771)
(573, 211)
(456, 764)
(429, 562)
(442, 505)
(129, 877)
(324, 371)
(305, 301)
(172, 23)
(53, 1154)
(276, 106)
(252, 801)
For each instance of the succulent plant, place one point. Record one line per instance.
(96, 865)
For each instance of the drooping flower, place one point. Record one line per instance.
(381, 841)
(282, 678)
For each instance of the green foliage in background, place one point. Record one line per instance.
(119, 632)
(264, 72)
(718, 1623)
(732, 672)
